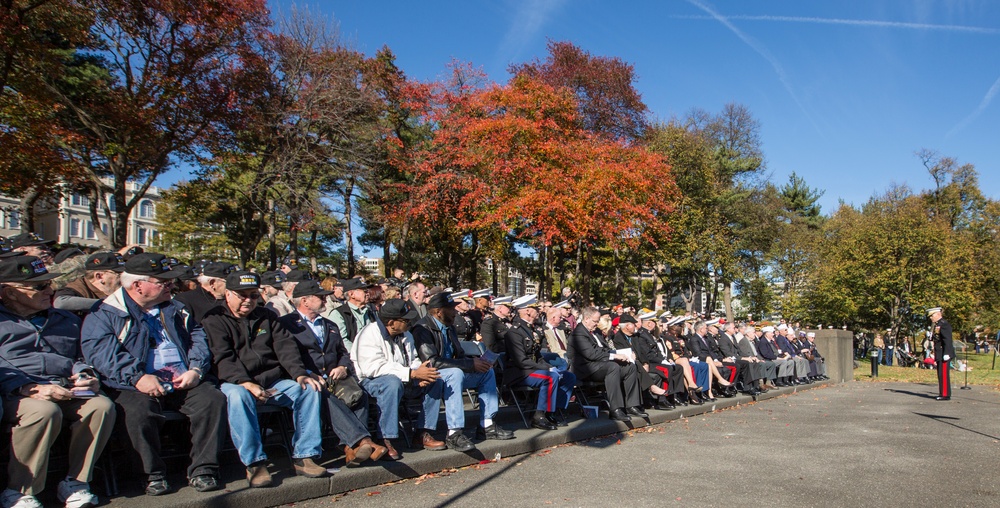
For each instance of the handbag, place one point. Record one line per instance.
(347, 390)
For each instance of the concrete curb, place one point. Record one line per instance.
(290, 489)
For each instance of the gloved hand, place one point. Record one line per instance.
(946, 358)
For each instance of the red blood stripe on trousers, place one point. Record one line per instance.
(548, 380)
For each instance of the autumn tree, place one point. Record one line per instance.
(169, 65)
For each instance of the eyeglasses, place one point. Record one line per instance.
(162, 283)
(241, 296)
(38, 286)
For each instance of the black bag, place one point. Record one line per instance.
(347, 390)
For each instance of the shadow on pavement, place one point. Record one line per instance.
(942, 419)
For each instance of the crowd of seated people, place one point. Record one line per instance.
(137, 334)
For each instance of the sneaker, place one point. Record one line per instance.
(204, 483)
(458, 441)
(157, 486)
(13, 499)
(75, 494)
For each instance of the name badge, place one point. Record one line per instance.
(165, 356)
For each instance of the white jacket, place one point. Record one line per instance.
(375, 354)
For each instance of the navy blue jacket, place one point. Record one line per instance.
(116, 340)
(320, 360)
(33, 355)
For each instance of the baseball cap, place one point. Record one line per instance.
(105, 261)
(24, 269)
(440, 301)
(151, 264)
(218, 269)
(242, 279)
(274, 278)
(395, 308)
(309, 287)
(29, 240)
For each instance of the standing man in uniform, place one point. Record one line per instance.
(944, 351)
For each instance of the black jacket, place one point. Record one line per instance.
(200, 303)
(523, 353)
(320, 360)
(493, 332)
(428, 340)
(255, 348)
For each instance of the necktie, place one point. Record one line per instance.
(446, 343)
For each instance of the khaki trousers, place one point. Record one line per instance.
(37, 424)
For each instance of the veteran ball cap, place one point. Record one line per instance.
(29, 240)
(274, 278)
(151, 264)
(309, 287)
(5, 248)
(627, 318)
(441, 301)
(352, 284)
(396, 308)
(240, 280)
(106, 261)
(298, 276)
(24, 269)
(218, 269)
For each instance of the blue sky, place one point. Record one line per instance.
(845, 91)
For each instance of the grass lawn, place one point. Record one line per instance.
(979, 375)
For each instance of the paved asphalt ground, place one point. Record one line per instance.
(853, 444)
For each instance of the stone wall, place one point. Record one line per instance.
(837, 348)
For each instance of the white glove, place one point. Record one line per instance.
(946, 358)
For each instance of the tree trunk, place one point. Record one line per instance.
(496, 281)
(542, 264)
(347, 192)
(727, 299)
(312, 251)
(293, 242)
(27, 209)
(272, 235)
(587, 271)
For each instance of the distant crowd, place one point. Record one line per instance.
(138, 334)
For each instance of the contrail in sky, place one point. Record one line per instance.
(528, 20)
(983, 104)
(761, 50)
(860, 22)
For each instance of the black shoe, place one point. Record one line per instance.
(693, 398)
(673, 399)
(664, 406)
(204, 483)
(637, 411)
(543, 423)
(459, 442)
(494, 432)
(557, 419)
(942, 398)
(619, 415)
(157, 487)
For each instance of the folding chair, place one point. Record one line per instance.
(471, 348)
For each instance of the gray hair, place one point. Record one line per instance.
(288, 286)
(204, 280)
(128, 279)
(295, 301)
(588, 312)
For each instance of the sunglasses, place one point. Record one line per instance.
(241, 296)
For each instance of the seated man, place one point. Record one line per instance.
(769, 350)
(590, 358)
(387, 364)
(259, 362)
(209, 296)
(152, 356)
(495, 326)
(435, 339)
(100, 279)
(324, 354)
(526, 366)
(270, 286)
(47, 381)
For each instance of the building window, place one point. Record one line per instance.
(146, 209)
(79, 200)
(143, 236)
(74, 228)
(111, 204)
(90, 231)
(14, 217)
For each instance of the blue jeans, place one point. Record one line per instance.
(455, 380)
(245, 429)
(388, 391)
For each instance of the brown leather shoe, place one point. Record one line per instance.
(377, 450)
(353, 457)
(309, 469)
(258, 476)
(391, 453)
(429, 443)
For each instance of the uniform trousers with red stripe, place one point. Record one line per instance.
(554, 388)
(944, 378)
